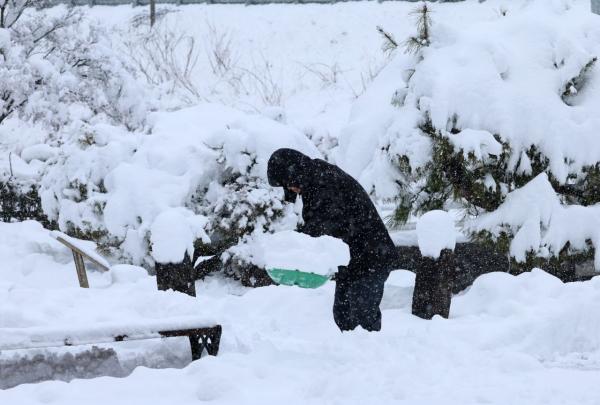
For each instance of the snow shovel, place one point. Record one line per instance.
(298, 278)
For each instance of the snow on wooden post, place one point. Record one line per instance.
(435, 272)
(172, 236)
(596, 6)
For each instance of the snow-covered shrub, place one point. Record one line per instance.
(480, 111)
(240, 203)
(60, 80)
(244, 207)
(58, 68)
(197, 177)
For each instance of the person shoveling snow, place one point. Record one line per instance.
(335, 204)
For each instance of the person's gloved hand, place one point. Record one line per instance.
(342, 274)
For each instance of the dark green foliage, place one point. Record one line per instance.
(244, 205)
(450, 176)
(106, 244)
(20, 203)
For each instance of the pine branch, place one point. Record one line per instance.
(574, 86)
(423, 20)
(389, 42)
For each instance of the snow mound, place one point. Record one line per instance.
(32, 257)
(295, 251)
(507, 337)
(436, 232)
(126, 273)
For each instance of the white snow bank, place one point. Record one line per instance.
(508, 340)
(126, 273)
(538, 315)
(31, 257)
(295, 251)
(436, 232)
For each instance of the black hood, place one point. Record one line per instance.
(289, 168)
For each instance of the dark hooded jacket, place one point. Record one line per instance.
(335, 204)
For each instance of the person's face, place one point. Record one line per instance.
(295, 189)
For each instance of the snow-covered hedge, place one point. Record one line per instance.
(478, 111)
(61, 81)
(203, 167)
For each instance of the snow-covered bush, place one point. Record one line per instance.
(58, 68)
(206, 165)
(60, 80)
(246, 207)
(475, 113)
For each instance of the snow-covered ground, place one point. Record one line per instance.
(300, 76)
(510, 340)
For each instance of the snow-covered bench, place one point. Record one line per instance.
(201, 336)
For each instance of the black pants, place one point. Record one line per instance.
(357, 301)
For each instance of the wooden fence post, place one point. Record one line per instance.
(433, 286)
(436, 234)
(177, 276)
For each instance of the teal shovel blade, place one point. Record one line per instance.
(296, 277)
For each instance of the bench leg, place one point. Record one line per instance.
(80, 267)
(207, 338)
